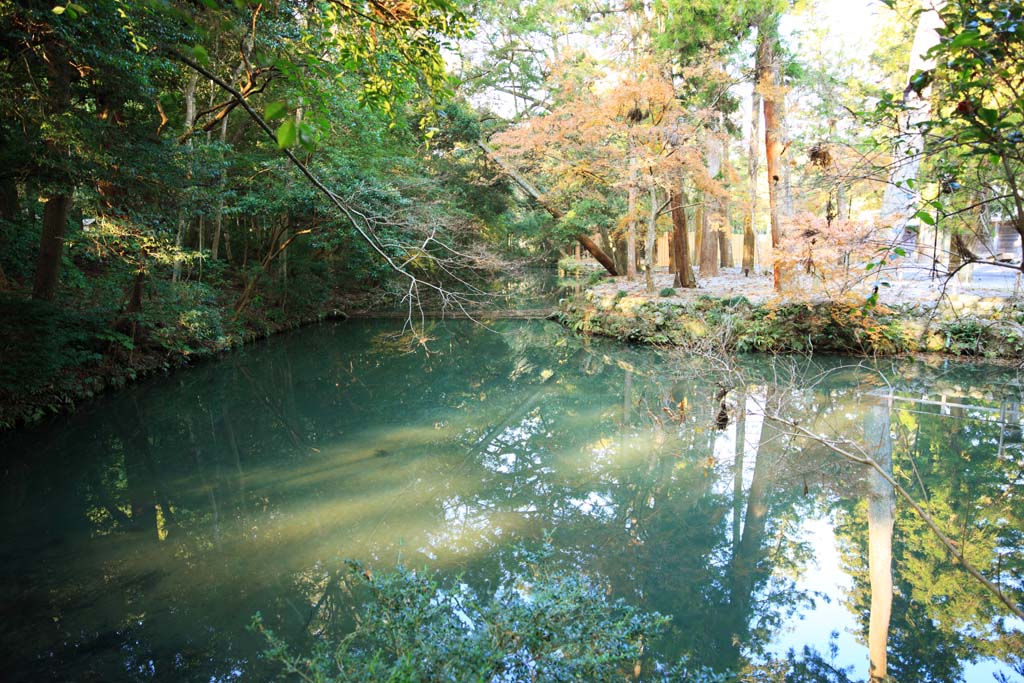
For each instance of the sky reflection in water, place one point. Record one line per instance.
(141, 535)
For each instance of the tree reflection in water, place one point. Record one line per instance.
(142, 534)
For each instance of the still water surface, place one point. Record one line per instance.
(139, 536)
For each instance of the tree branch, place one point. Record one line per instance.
(348, 212)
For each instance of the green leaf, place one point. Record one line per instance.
(286, 134)
(201, 55)
(308, 136)
(274, 110)
(989, 116)
(925, 217)
(968, 39)
(77, 8)
(900, 251)
(59, 10)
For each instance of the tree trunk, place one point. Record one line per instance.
(721, 206)
(708, 245)
(277, 247)
(227, 243)
(606, 240)
(749, 245)
(900, 201)
(10, 207)
(708, 251)
(698, 234)
(534, 194)
(754, 155)
(218, 220)
(125, 323)
(31, 206)
(58, 206)
(620, 251)
(51, 246)
(190, 119)
(681, 242)
(773, 101)
(652, 236)
(631, 230)
(725, 241)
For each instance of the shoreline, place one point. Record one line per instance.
(983, 329)
(73, 386)
(962, 325)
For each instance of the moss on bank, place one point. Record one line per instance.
(734, 324)
(55, 357)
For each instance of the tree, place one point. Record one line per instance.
(610, 137)
(773, 100)
(902, 194)
(973, 150)
(69, 72)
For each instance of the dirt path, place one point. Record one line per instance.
(897, 287)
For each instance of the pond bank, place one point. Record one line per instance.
(55, 357)
(88, 362)
(721, 319)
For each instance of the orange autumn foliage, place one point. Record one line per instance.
(826, 259)
(610, 129)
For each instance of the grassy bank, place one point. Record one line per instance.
(988, 330)
(55, 357)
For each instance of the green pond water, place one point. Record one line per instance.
(140, 535)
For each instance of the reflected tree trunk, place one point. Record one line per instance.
(737, 480)
(144, 492)
(627, 398)
(749, 552)
(881, 516)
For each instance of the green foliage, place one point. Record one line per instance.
(21, 242)
(539, 625)
(964, 337)
(978, 74)
(588, 212)
(974, 135)
(668, 291)
(38, 340)
(734, 324)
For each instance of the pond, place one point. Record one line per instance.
(140, 535)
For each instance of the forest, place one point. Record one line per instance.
(181, 177)
(743, 187)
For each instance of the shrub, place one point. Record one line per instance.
(537, 626)
(39, 339)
